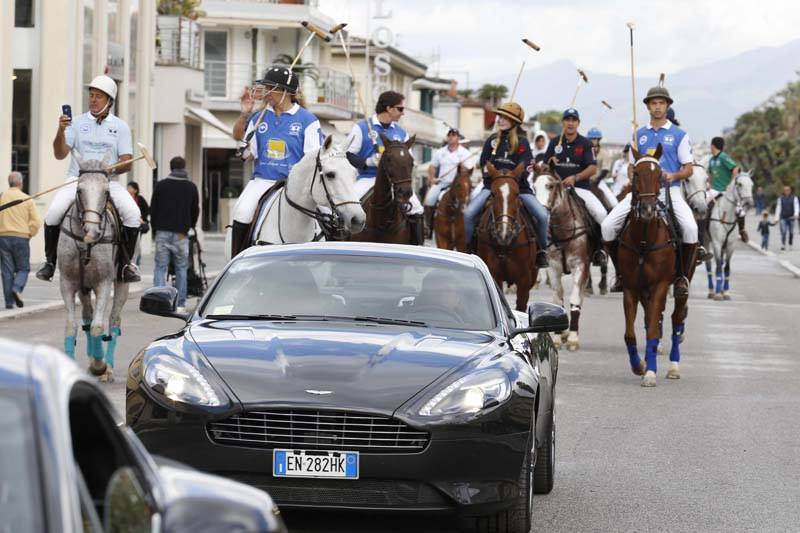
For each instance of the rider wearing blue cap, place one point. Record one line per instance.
(505, 150)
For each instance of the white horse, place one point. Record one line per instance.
(694, 191)
(319, 191)
(86, 250)
(739, 193)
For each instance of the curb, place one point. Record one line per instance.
(793, 269)
(49, 306)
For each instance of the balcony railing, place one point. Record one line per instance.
(226, 80)
(177, 41)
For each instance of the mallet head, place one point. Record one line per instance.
(336, 28)
(606, 104)
(314, 29)
(147, 157)
(531, 44)
(582, 74)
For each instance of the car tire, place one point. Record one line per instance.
(544, 471)
(517, 518)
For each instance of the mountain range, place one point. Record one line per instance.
(708, 98)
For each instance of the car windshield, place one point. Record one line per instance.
(20, 503)
(346, 287)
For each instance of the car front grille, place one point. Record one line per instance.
(311, 429)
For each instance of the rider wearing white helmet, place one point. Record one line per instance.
(92, 135)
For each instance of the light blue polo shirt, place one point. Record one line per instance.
(676, 150)
(360, 143)
(280, 142)
(92, 140)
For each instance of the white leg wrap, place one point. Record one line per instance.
(416, 206)
(246, 205)
(126, 206)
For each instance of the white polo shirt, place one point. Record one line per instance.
(93, 140)
(447, 161)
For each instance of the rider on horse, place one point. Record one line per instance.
(92, 135)
(676, 163)
(619, 171)
(573, 157)
(505, 151)
(723, 169)
(366, 147)
(595, 136)
(442, 171)
(279, 136)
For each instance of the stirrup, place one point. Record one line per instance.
(46, 272)
(599, 258)
(130, 273)
(681, 286)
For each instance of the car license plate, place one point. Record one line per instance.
(316, 463)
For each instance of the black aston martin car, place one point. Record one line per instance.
(358, 376)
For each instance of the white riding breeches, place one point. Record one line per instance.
(432, 196)
(683, 215)
(365, 184)
(594, 205)
(606, 190)
(126, 206)
(245, 208)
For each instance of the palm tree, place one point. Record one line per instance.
(492, 94)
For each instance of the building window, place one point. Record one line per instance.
(23, 13)
(20, 125)
(216, 64)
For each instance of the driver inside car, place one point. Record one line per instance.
(439, 298)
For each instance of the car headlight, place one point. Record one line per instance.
(470, 394)
(179, 381)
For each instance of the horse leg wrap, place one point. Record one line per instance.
(69, 346)
(719, 282)
(727, 277)
(96, 350)
(651, 353)
(675, 350)
(112, 344)
(633, 356)
(574, 317)
(87, 325)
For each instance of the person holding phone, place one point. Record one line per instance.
(92, 135)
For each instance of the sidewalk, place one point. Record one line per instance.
(42, 295)
(788, 259)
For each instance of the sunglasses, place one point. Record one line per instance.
(400, 108)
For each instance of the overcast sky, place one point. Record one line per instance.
(483, 37)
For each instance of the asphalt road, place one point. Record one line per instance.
(717, 450)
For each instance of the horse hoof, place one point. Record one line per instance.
(556, 339)
(564, 335)
(603, 291)
(726, 296)
(649, 379)
(588, 291)
(97, 367)
(718, 297)
(710, 295)
(107, 376)
(639, 370)
(572, 346)
(673, 372)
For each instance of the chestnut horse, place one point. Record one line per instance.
(505, 243)
(388, 203)
(449, 220)
(647, 262)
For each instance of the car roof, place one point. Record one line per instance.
(369, 249)
(57, 370)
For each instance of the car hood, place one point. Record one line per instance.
(361, 365)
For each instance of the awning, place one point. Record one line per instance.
(208, 118)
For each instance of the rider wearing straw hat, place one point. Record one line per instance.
(92, 135)
(505, 150)
(676, 163)
(286, 132)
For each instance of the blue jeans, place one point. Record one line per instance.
(765, 241)
(15, 254)
(170, 247)
(787, 227)
(536, 210)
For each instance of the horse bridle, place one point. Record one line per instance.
(635, 190)
(82, 210)
(577, 231)
(698, 191)
(332, 224)
(516, 227)
(405, 207)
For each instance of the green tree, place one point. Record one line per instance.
(184, 8)
(492, 94)
(550, 120)
(465, 93)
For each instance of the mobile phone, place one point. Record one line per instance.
(66, 109)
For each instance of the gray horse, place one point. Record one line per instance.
(86, 251)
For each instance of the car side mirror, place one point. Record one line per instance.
(544, 318)
(126, 506)
(160, 301)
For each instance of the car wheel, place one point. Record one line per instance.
(544, 471)
(517, 518)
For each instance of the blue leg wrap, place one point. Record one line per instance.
(650, 354)
(719, 282)
(727, 277)
(633, 355)
(112, 345)
(96, 351)
(675, 351)
(69, 346)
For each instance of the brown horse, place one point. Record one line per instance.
(449, 220)
(505, 242)
(647, 262)
(388, 204)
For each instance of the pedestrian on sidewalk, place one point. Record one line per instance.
(787, 211)
(760, 201)
(174, 209)
(17, 225)
(763, 229)
(144, 226)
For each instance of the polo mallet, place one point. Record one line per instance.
(37, 195)
(631, 25)
(145, 155)
(581, 78)
(372, 135)
(521, 68)
(661, 80)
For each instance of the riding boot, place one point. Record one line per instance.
(417, 229)
(687, 267)
(48, 269)
(703, 254)
(429, 221)
(127, 251)
(598, 255)
(239, 231)
(742, 231)
(541, 259)
(612, 248)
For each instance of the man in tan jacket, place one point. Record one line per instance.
(17, 225)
